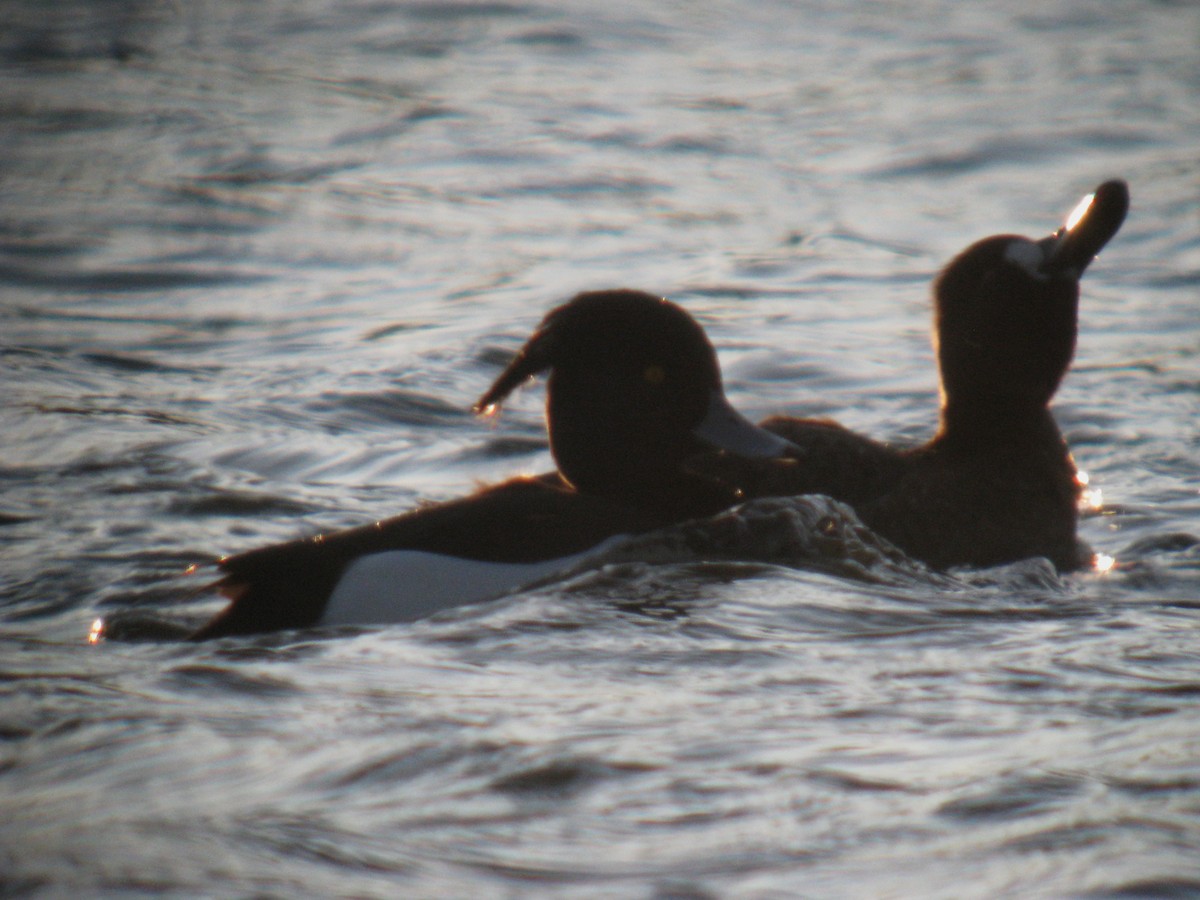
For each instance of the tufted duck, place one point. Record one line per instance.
(997, 482)
(634, 391)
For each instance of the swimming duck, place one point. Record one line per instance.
(634, 391)
(996, 483)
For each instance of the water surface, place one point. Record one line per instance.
(257, 261)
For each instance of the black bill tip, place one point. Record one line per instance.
(1089, 227)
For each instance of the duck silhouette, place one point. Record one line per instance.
(996, 483)
(634, 392)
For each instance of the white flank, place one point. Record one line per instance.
(406, 585)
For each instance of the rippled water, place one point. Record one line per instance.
(256, 262)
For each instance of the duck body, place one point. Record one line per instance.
(997, 483)
(979, 500)
(985, 500)
(467, 550)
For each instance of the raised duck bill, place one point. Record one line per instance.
(1091, 225)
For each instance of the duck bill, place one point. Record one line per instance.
(1092, 225)
(724, 428)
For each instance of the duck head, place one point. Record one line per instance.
(634, 391)
(1006, 308)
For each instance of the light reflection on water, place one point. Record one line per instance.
(257, 263)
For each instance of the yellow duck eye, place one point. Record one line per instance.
(654, 375)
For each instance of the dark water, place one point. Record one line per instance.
(257, 260)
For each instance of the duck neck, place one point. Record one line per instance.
(996, 420)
